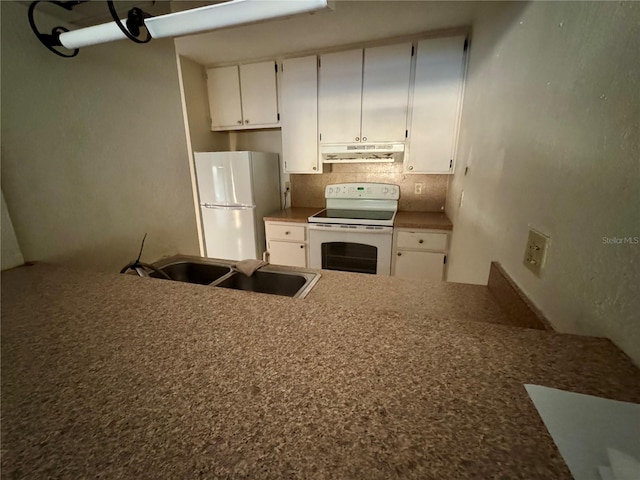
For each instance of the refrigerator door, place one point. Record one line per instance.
(229, 232)
(224, 178)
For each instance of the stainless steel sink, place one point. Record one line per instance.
(265, 282)
(271, 279)
(190, 272)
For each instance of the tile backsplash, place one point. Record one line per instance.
(308, 190)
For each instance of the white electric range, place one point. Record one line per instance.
(355, 232)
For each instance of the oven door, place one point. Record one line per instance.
(350, 248)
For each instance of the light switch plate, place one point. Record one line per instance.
(535, 252)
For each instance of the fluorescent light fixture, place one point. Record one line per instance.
(227, 14)
(211, 17)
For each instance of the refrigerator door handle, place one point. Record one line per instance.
(232, 206)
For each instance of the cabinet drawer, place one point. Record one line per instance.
(294, 233)
(422, 240)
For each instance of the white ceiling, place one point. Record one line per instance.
(349, 22)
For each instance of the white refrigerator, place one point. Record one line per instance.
(236, 190)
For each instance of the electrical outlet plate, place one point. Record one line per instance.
(536, 251)
(418, 189)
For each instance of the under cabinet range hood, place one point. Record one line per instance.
(362, 152)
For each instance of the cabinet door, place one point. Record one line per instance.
(340, 96)
(223, 85)
(259, 96)
(385, 93)
(436, 104)
(419, 265)
(299, 105)
(287, 253)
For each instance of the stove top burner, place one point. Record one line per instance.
(355, 214)
(364, 204)
(344, 216)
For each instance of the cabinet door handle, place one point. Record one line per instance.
(246, 121)
(357, 139)
(287, 233)
(301, 246)
(421, 241)
(399, 254)
(364, 139)
(410, 167)
(315, 168)
(239, 122)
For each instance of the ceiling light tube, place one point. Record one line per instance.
(84, 37)
(211, 17)
(227, 14)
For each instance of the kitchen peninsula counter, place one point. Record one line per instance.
(125, 377)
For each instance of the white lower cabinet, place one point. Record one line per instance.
(419, 254)
(286, 243)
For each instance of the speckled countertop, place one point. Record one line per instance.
(295, 214)
(427, 220)
(114, 376)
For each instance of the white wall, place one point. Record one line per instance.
(11, 253)
(550, 133)
(93, 150)
(197, 126)
(269, 140)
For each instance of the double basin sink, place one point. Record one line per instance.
(219, 273)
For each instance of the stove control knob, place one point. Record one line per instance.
(330, 190)
(385, 190)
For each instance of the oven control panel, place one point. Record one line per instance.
(372, 191)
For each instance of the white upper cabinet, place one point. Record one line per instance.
(437, 100)
(364, 94)
(259, 94)
(385, 92)
(340, 96)
(224, 97)
(243, 97)
(299, 108)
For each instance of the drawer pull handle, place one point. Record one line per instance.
(420, 241)
(287, 233)
(399, 254)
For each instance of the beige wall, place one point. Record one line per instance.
(196, 100)
(550, 136)
(93, 150)
(11, 253)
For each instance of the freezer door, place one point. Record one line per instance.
(229, 233)
(224, 178)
